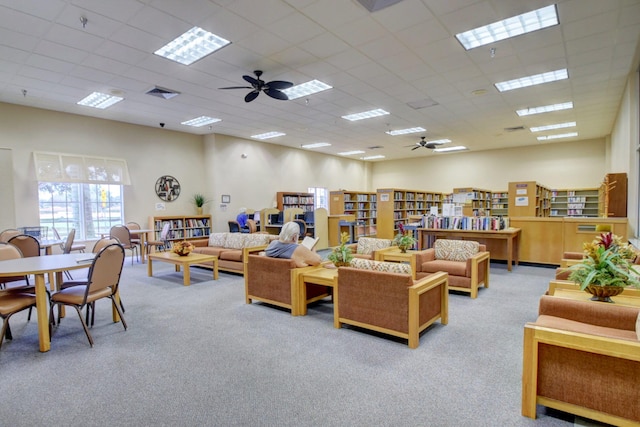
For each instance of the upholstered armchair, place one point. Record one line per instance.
(274, 281)
(383, 297)
(583, 357)
(366, 247)
(466, 261)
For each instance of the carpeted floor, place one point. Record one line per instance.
(200, 356)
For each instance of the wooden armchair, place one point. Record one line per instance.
(391, 303)
(583, 357)
(467, 263)
(366, 247)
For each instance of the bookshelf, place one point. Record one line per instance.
(575, 202)
(397, 205)
(613, 195)
(363, 205)
(287, 200)
(500, 203)
(528, 198)
(477, 202)
(182, 227)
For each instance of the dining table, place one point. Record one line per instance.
(40, 266)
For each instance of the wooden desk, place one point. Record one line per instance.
(184, 262)
(39, 266)
(511, 236)
(319, 276)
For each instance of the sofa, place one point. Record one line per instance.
(383, 297)
(366, 247)
(230, 249)
(466, 261)
(583, 357)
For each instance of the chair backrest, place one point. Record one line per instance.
(133, 226)
(106, 268)
(105, 241)
(121, 233)
(7, 234)
(253, 228)
(9, 251)
(234, 227)
(164, 234)
(303, 227)
(28, 245)
(455, 250)
(56, 235)
(69, 242)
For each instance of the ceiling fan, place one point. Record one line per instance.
(423, 143)
(273, 88)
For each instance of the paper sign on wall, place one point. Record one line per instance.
(521, 191)
(522, 201)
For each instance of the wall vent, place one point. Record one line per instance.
(162, 92)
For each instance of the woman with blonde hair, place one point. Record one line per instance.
(287, 247)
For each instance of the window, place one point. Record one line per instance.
(321, 197)
(92, 209)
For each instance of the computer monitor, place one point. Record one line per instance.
(299, 216)
(280, 218)
(273, 218)
(308, 217)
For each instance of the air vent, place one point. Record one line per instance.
(375, 5)
(514, 129)
(162, 92)
(375, 147)
(422, 103)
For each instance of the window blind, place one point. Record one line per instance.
(61, 167)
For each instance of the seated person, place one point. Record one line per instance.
(241, 219)
(287, 247)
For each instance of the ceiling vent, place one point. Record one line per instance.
(375, 147)
(375, 5)
(422, 103)
(514, 129)
(162, 92)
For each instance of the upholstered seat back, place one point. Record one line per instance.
(368, 245)
(389, 267)
(455, 250)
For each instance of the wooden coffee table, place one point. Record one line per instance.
(184, 262)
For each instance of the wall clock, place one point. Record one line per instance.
(167, 188)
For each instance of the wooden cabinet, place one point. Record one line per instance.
(500, 203)
(182, 227)
(362, 205)
(287, 200)
(474, 201)
(613, 194)
(529, 199)
(397, 205)
(576, 202)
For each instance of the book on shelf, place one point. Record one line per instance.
(310, 242)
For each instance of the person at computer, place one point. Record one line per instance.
(287, 247)
(241, 219)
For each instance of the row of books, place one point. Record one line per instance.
(360, 206)
(361, 197)
(483, 223)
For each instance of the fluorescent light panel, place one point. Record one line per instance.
(405, 131)
(560, 135)
(100, 100)
(366, 115)
(268, 135)
(200, 121)
(536, 79)
(304, 89)
(350, 153)
(552, 127)
(316, 145)
(510, 27)
(191, 46)
(379, 156)
(545, 109)
(455, 148)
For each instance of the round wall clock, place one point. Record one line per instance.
(167, 188)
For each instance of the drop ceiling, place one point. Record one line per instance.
(403, 58)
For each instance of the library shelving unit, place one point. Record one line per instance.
(575, 202)
(183, 227)
(500, 203)
(477, 201)
(287, 200)
(613, 195)
(397, 205)
(363, 205)
(528, 198)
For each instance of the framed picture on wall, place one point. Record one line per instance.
(226, 198)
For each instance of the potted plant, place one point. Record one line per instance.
(607, 267)
(404, 239)
(199, 200)
(341, 256)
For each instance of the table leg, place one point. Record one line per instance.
(42, 308)
(143, 247)
(509, 253)
(215, 269)
(149, 268)
(187, 274)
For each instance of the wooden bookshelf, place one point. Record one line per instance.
(583, 202)
(500, 203)
(613, 196)
(287, 200)
(528, 198)
(182, 227)
(477, 201)
(397, 205)
(363, 205)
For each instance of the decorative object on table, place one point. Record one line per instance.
(167, 188)
(199, 200)
(607, 267)
(404, 239)
(182, 248)
(341, 256)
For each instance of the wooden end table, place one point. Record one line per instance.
(182, 261)
(319, 276)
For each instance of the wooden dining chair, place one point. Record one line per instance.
(12, 302)
(5, 235)
(163, 243)
(9, 251)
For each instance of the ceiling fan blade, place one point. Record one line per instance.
(251, 96)
(275, 93)
(251, 80)
(416, 147)
(279, 84)
(236, 87)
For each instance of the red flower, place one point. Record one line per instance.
(606, 240)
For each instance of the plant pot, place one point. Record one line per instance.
(403, 248)
(198, 210)
(603, 293)
(341, 264)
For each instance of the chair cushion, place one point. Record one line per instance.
(389, 267)
(217, 239)
(235, 241)
(455, 250)
(367, 245)
(253, 240)
(454, 268)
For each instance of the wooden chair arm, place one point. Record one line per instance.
(430, 281)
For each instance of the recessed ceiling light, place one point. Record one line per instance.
(100, 100)
(201, 121)
(379, 156)
(551, 127)
(316, 145)
(405, 131)
(268, 135)
(545, 109)
(510, 27)
(191, 46)
(536, 79)
(366, 115)
(304, 89)
(350, 153)
(455, 148)
(561, 135)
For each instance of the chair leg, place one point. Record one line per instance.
(113, 301)
(68, 274)
(84, 325)
(5, 330)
